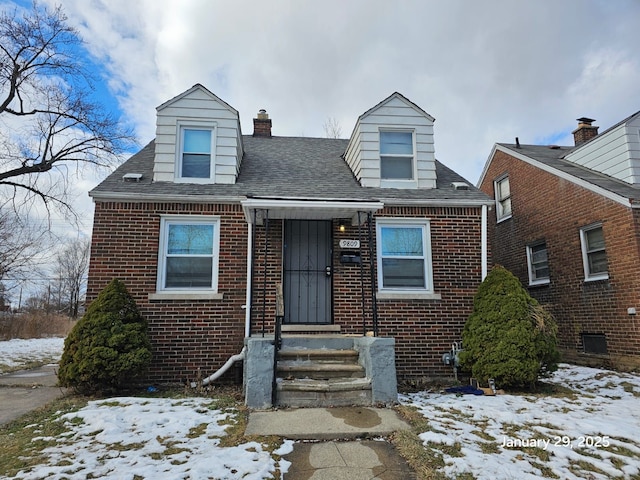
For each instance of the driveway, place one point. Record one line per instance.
(27, 390)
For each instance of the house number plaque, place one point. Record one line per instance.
(345, 243)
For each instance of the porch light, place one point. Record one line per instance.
(342, 227)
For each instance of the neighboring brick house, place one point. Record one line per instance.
(566, 222)
(204, 221)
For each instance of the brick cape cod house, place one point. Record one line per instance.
(370, 234)
(567, 223)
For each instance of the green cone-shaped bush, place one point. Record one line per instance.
(509, 336)
(108, 348)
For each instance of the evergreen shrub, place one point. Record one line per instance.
(108, 348)
(509, 336)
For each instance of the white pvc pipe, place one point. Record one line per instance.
(233, 359)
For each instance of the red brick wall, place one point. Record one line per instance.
(547, 207)
(425, 329)
(188, 335)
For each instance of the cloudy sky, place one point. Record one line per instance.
(488, 71)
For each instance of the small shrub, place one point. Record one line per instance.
(109, 347)
(509, 336)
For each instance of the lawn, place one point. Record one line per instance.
(582, 425)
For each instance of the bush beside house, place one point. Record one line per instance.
(509, 336)
(108, 348)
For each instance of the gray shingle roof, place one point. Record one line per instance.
(553, 157)
(285, 167)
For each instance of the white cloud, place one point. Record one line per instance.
(488, 71)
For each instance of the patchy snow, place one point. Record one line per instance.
(590, 433)
(18, 352)
(127, 438)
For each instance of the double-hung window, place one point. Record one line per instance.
(188, 257)
(396, 155)
(594, 255)
(503, 198)
(404, 255)
(195, 159)
(537, 263)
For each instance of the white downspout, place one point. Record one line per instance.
(483, 242)
(247, 305)
(247, 319)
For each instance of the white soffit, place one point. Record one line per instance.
(290, 209)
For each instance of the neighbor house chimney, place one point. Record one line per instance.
(262, 124)
(585, 131)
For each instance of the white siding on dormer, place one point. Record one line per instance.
(363, 152)
(200, 107)
(615, 153)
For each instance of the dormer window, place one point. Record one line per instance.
(196, 159)
(396, 155)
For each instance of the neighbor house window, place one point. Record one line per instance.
(404, 255)
(537, 263)
(503, 198)
(396, 155)
(594, 256)
(188, 259)
(195, 158)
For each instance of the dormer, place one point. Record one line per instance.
(614, 152)
(198, 139)
(392, 146)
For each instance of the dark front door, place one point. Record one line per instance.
(307, 272)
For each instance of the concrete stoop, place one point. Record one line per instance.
(322, 370)
(321, 378)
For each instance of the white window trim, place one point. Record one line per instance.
(495, 193)
(532, 281)
(173, 293)
(197, 125)
(585, 257)
(427, 292)
(394, 182)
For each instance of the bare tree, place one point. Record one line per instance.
(332, 128)
(49, 125)
(22, 243)
(72, 264)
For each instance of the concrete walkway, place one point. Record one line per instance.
(27, 390)
(339, 454)
(332, 443)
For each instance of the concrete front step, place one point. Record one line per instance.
(319, 355)
(319, 371)
(324, 393)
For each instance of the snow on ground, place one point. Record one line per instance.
(590, 433)
(18, 352)
(151, 438)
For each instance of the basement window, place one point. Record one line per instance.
(595, 344)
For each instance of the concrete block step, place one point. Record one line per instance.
(324, 393)
(319, 370)
(319, 355)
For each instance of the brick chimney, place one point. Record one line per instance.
(585, 131)
(262, 124)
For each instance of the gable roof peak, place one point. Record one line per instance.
(402, 98)
(195, 88)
